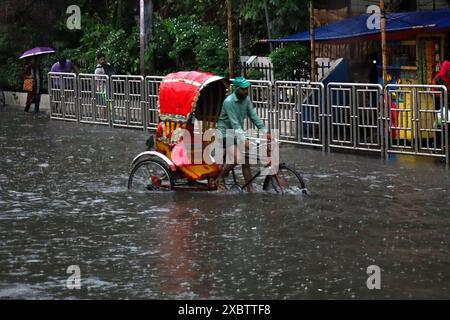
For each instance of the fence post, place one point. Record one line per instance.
(446, 128)
(63, 97)
(446, 139)
(354, 117)
(416, 134)
(382, 120)
(323, 116)
(77, 99)
(387, 110)
(329, 126)
(144, 103)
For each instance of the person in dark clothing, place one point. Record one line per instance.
(33, 71)
(103, 67)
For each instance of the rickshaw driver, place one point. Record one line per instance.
(236, 108)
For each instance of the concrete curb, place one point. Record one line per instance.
(18, 99)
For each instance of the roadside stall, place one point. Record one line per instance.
(418, 43)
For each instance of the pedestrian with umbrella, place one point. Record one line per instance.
(33, 77)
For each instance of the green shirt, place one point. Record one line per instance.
(233, 115)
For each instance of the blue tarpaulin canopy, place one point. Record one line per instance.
(395, 22)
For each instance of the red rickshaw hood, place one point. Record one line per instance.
(179, 93)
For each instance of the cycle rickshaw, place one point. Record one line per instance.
(192, 101)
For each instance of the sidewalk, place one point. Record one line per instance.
(18, 99)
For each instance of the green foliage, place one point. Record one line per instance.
(122, 16)
(112, 30)
(291, 62)
(285, 16)
(11, 67)
(254, 74)
(121, 49)
(185, 43)
(188, 34)
(211, 51)
(212, 12)
(11, 74)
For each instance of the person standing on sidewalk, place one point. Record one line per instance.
(33, 73)
(64, 65)
(103, 68)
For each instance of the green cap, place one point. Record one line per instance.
(241, 82)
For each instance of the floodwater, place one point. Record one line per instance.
(64, 202)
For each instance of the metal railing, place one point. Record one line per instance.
(94, 99)
(412, 118)
(152, 85)
(127, 101)
(355, 116)
(261, 95)
(300, 112)
(396, 119)
(63, 96)
(260, 71)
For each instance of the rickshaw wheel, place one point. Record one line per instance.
(286, 181)
(150, 175)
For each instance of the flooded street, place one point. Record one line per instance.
(64, 201)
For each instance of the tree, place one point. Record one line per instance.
(188, 34)
(123, 13)
(209, 11)
(186, 42)
(287, 16)
(291, 62)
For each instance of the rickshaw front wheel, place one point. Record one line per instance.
(150, 175)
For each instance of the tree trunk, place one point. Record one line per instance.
(383, 41)
(142, 36)
(269, 33)
(230, 37)
(313, 41)
(146, 32)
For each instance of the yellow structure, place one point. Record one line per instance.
(416, 62)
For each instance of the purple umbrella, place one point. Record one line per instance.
(37, 52)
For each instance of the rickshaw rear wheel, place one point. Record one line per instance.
(286, 181)
(150, 175)
(236, 188)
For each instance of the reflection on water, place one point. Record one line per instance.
(63, 201)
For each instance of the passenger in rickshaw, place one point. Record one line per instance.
(236, 108)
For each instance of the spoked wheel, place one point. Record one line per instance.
(150, 175)
(286, 181)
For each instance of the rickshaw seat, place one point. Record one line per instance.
(201, 171)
